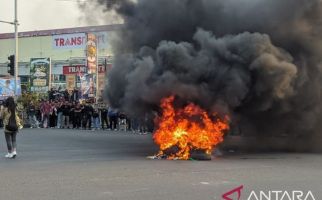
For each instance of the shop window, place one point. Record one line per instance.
(24, 79)
(57, 78)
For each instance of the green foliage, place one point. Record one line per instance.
(26, 98)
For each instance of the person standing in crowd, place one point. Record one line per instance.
(71, 114)
(113, 114)
(38, 113)
(87, 116)
(1, 120)
(143, 124)
(96, 119)
(59, 114)
(65, 108)
(51, 94)
(45, 110)
(128, 122)
(53, 115)
(104, 119)
(11, 124)
(77, 116)
(75, 95)
(41, 108)
(31, 111)
(122, 121)
(66, 95)
(134, 124)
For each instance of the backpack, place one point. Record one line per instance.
(12, 124)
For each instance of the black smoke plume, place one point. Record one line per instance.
(257, 60)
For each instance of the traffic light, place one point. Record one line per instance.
(11, 65)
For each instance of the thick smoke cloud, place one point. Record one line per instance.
(257, 60)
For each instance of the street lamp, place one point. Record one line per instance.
(15, 23)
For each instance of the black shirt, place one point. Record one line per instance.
(65, 109)
(88, 110)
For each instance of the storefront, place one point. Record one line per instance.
(66, 51)
(68, 76)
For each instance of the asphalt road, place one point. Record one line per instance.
(84, 165)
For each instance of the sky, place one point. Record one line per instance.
(43, 14)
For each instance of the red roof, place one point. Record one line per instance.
(63, 31)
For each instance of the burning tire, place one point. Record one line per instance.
(199, 155)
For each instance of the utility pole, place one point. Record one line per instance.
(16, 45)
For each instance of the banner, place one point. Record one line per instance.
(82, 69)
(101, 84)
(69, 41)
(70, 82)
(88, 85)
(78, 41)
(39, 74)
(75, 69)
(7, 87)
(91, 53)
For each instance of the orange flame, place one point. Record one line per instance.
(189, 128)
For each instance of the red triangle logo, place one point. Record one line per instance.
(236, 190)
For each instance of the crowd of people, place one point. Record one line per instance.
(64, 111)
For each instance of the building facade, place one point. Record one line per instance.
(66, 49)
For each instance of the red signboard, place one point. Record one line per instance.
(75, 69)
(82, 69)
